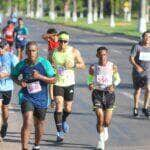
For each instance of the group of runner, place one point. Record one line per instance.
(38, 76)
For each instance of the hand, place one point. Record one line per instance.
(36, 74)
(53, 104)
(139, 69)
(23, 84)
(2, 75)
(111, 89)
(52, 80)
(91, 87)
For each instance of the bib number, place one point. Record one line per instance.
(34, 87)
(101, 79)
(9, 33)
(20, 38)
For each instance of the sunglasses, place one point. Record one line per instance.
(63, 41)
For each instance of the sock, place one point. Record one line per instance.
(58, 120)
(65, 115)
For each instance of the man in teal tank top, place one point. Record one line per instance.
(64, 59)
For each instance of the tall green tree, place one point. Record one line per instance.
(89, 15)
(52, 10)
(142, 17)
(112, 16)
(95, 15)
(101, 9)
(39, 8)
(74, 15)
(67, 9)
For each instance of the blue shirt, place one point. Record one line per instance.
(7, 62)
(39, 99)
(19, 32)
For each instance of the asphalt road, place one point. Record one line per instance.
(125, 132)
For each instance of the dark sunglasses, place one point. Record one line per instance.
(63, 41)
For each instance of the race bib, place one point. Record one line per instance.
(34, 87)
(3, 69)
(101, 79)
(60, 70)
(9, 33)
(20, 38)
(144, 56)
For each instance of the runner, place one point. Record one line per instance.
(140, 59)
(21, 33)
(37, 73)
(102, 79)
(8, 34)
(52, 38)
(65, 59)
(7, 63)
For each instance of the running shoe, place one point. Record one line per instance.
(101, 143)
(145, 112)
(135, 112)
(36, 147)
(60, 136)
(4, 130)
(105, 133)
(65, 127)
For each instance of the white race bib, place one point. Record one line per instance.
(102, 79)
(9, 33)
(20, 38)
(3, 69)
(34, 87)
(144, 56)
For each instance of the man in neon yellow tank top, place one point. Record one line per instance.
(102, 79)
(65, 59)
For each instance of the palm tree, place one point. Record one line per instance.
(112, 18)
(67, 9)
(101, 14)
(95, 16)
(74, 16)
(39, 9)
(89, 16)
(52, 10)
(142, 17)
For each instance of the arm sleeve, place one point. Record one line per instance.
(116, 76)
(90, 77)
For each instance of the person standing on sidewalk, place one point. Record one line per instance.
(7, 62)
(102, 79)
(37, 73)
(140, 60)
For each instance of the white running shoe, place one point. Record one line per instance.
(106, 133)
(101, 142)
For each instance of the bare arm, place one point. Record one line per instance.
(137, 67)
(79, 60)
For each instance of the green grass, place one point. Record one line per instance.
(102, 26)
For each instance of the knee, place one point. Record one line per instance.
(107, 123)
(26, 124)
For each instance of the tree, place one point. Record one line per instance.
(39, 9)
(112, 17)
(142, 17)
(74, 16)
(52, 10)
(101, 11)
(89, 16)
(95, 16)
(67, 9)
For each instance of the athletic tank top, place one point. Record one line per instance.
(103, 76)
(65, 76)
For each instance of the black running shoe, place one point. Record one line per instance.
(145, 112)
(4, 130)
(135, 112)
(36, 147)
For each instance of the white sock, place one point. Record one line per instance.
(105, 133)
